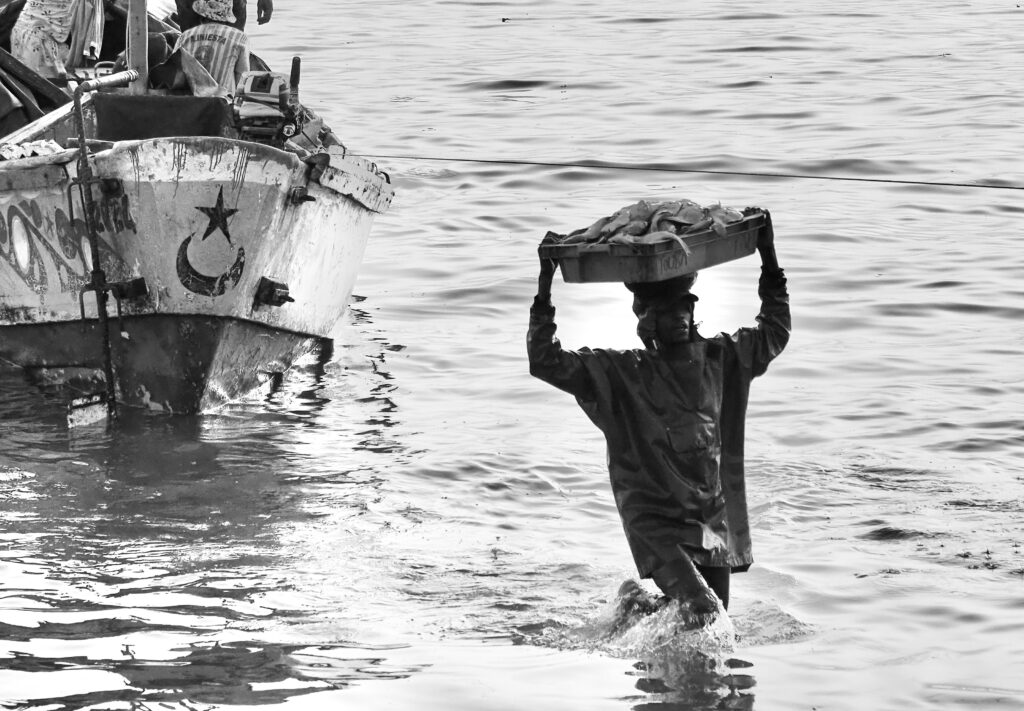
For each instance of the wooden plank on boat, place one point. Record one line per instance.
(42, 87)
(138, 45)
(44, 176)
(26, 97)
(369, 189)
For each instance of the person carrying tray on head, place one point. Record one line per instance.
(673, 416)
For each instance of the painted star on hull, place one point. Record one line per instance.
(218, 215)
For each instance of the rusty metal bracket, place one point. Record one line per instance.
(299, 195)
(128, 290)
(271, 293)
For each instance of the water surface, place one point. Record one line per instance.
(425, 526)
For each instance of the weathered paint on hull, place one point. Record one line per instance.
(177, 364)
(202, 220)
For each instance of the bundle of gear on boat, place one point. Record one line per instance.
(208, 56)
(673, 412)
(54, 37)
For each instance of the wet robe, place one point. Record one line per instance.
(674, 428)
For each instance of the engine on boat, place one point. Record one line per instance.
(262, 108)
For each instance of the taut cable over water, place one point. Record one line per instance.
(675, 169)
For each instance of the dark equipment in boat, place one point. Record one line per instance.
(266, 105)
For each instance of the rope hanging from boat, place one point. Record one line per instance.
(602, 165)
(85, 180)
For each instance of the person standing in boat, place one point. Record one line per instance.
(40, 36)
(187, 18)
(673, 416)
(221, 48)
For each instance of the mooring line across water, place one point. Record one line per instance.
(671, 169)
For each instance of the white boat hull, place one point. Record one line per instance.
(202, 220)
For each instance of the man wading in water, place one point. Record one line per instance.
(673, 416)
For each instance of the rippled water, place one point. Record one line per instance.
(422, 525)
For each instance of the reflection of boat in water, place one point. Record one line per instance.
(226, 235)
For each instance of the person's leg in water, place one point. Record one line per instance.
(681, 580)
(717, 579)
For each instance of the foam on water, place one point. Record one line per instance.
(635, 625)
(12, 474)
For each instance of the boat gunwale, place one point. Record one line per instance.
(343, 165)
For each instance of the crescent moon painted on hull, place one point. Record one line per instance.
(204, 284)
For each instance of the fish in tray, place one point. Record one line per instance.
(652, 241)
(644, 222)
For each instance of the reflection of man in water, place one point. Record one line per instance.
(188, 19)
(673, 416)
(221, 48)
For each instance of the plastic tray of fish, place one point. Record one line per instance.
(655, 241)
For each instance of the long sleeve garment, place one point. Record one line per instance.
(674, 428)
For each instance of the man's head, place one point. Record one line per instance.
(664, 310)
(215, 10)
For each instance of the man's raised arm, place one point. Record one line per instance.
(548, 361)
